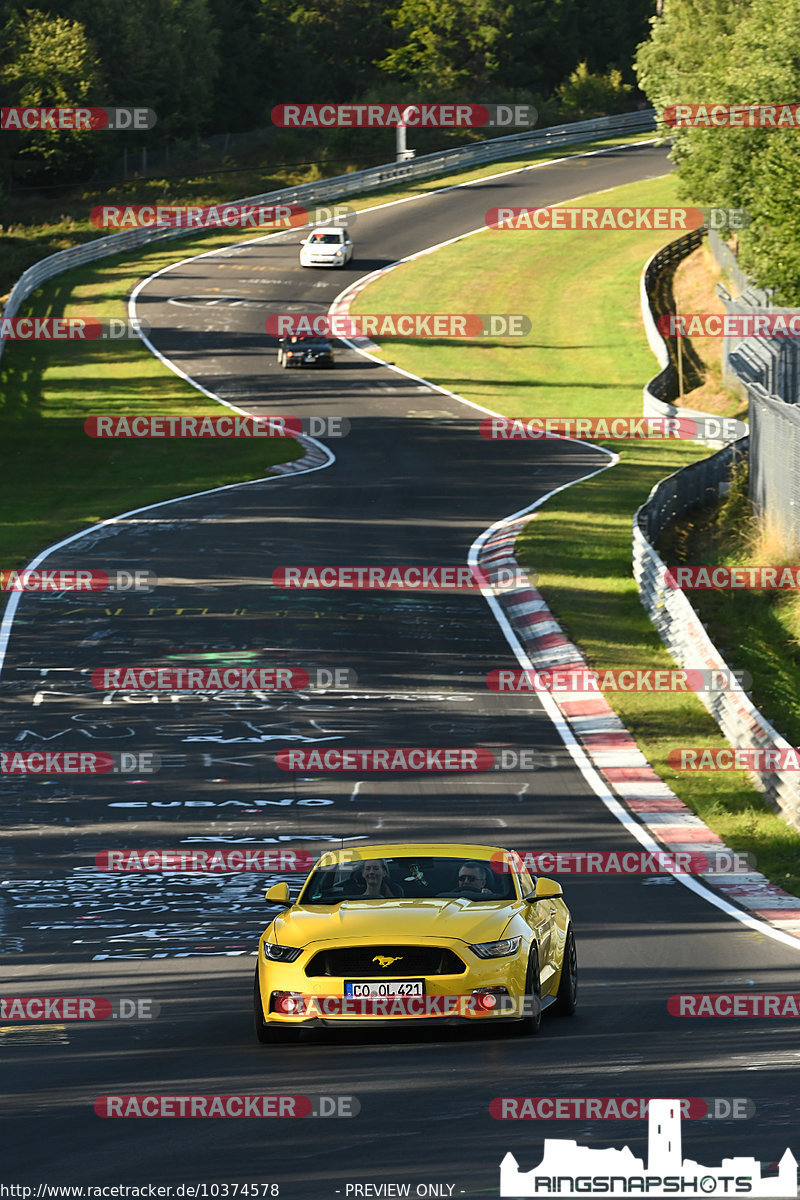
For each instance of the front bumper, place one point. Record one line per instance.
(310, 260)
(449, 999)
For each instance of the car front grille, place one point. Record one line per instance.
(362, 961)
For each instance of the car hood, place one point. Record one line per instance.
(392, 921)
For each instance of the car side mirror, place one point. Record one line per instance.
(278, 894)
(546, 889)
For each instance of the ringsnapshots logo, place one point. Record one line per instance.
(401, 578)
(75, 119)
(221, 679)
(565, 217)
(732, 116)
(571, 1170)
(78, 762)
(611, 429)
(415, 116)
(618, 679)
(76, 579)
(70, 329)
(398, 325)
(219, 216)
(78, 1008)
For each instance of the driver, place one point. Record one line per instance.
(473, 877)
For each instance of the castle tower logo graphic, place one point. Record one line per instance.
(568, 1169)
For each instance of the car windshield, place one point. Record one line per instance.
(327, 239)
(413, 878)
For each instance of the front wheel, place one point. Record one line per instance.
(531, 1023)
(566, 1000)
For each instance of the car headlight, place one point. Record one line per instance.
(273, 953)
(497, 949)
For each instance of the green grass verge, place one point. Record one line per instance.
(586, 355)
(757, 631)
(56, 480)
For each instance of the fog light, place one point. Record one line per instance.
(290, 1004)
(487, 998)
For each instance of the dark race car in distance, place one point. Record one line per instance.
(311, 350)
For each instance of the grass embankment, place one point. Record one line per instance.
(56, 480)
(587, 355)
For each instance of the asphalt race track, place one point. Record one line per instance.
(412, 483)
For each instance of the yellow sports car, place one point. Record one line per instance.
(415, 933)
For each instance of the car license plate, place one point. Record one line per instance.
(381, 987)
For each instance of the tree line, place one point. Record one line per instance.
(209, 66)
(728, 52)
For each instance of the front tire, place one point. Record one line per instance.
(567, 995)
(530, 1024)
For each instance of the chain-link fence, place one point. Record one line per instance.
(766, 370)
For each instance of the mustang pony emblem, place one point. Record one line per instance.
(383, 961)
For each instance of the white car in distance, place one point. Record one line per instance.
(329, 247)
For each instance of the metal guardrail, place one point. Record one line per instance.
(684, 634)
(670, 609)
(340, 186)
(661, 390)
